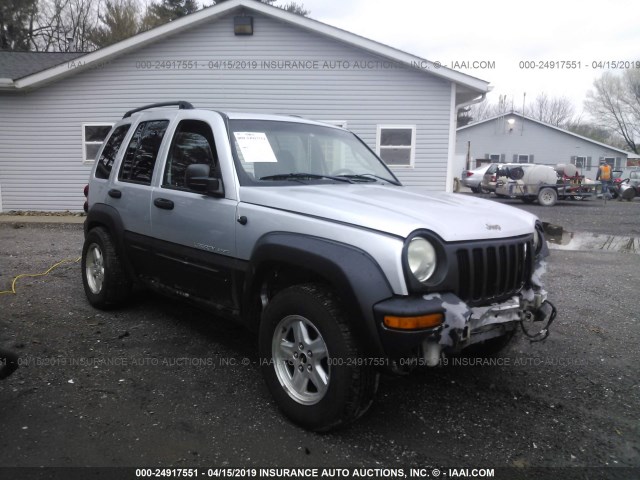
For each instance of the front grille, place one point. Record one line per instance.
(492, 272)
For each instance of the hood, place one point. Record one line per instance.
(397, 210)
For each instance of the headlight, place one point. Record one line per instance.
(537, 241)
(421, 257)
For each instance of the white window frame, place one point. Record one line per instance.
(523, 155)
(90, 161)
(583, 160)
(412, 147)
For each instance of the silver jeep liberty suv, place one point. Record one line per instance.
(299, 231)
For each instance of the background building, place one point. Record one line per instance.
(514, 138)
(55, 117)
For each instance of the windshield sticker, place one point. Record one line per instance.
(255, 147)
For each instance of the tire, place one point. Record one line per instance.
(475, 189)
(547, 197)
(331, 389)
(106, 284)
(515, 173)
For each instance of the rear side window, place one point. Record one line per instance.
(110, 151)
(142, 152)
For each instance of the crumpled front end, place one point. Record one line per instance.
(498, 288)
(464, 325)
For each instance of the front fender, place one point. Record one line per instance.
(354, 275)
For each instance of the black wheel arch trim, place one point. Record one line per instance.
(353, 273)
(103, 215)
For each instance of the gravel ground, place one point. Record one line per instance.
(162, 384)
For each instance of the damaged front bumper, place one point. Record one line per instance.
(462, 325)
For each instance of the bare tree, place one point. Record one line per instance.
(64, 26)
(165, 11)
(293, 7)
(557, 111)
(485, 109)
(614, 104)
(119, 20)
(16, 17)
(296, 8)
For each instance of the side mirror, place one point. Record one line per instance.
(197, 179)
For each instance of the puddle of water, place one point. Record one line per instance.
(593, 241)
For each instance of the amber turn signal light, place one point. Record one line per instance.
(414, 323)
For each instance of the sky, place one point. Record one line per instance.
(584, 34)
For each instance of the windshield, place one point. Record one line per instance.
(273, 152)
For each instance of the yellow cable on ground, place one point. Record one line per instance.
(15, 279)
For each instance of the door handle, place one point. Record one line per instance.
(114, 193)
(163, 203)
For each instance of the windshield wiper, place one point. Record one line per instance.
(299, 176)
(370, 177)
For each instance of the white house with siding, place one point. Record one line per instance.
(54, 117)
(515, 138)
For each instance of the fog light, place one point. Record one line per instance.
(414, 323)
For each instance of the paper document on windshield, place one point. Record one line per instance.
(255, 147)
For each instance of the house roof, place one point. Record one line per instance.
(14, 65)
(516, 114)
(188, 22)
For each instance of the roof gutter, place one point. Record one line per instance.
(473, 101)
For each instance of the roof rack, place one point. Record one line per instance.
(181, 105)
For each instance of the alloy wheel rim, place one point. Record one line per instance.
(301, 359)
(95, 268)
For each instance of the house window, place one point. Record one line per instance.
(93, 134)
(615, 162)
(579, 162)
(395, 144)
(495, 157)
(523, 159)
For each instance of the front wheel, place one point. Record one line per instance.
(310, 359)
